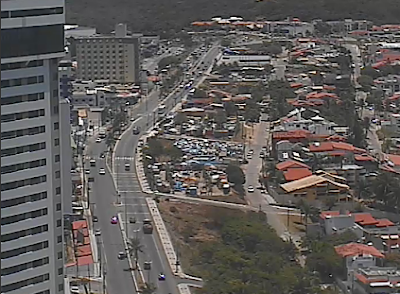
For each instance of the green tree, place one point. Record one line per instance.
(235, 174)
(230, 108)
(324, 260)
(366, 82)
(155, 148)
(169, 60)
(371, 72)
(386, 187)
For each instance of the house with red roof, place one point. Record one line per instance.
(291, 164)
(356, 256)
(382, 233)
(376, 279)
(294, 174)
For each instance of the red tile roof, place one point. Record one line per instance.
(365, 219)
(365, 280)
(394, 158)
(293, 174)
(333, 146)
(290, 164)
(296, 85)
(364, 157)
(324, 214)
(83, 255)
(355, 249)
(79, 225)
(383, 223)
(336, 138)
(296, 134)
(321, 95)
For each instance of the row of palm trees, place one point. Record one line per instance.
(134, 248)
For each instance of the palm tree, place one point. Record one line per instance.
(305, 210)
(148, 288)
(134, 247)
(385, 188)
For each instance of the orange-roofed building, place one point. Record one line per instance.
(384, 222)
(376, 280)
(335, 146)
(357, 249)
(293, 174)
(296, 85)
(283, 166)
(365, 219)
(394, 159)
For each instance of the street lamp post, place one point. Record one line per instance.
(126, 216)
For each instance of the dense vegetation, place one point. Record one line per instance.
(164, 16)
(250, 258)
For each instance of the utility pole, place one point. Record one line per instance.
(104, 279)
(177, 263)
(126, 217)
(90, 286)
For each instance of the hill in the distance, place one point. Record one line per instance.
(163, 15)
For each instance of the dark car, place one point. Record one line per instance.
(136, 131)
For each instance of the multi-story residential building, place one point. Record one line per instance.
(66, 73)
(349, 25)
(390, 84)
(32, 43)
(115, 58)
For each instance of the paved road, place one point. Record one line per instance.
(104, 197)
(118, 276)
(131, 196)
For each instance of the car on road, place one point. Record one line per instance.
(102, 155)
(98, 140)
(136, 131)
(74, 290)
(114, 220)
(102, 171)
(95, 219)
(250, 189)
(122, 255)
(161, 277)
(87, 171)
(251, 151)
(97, 232)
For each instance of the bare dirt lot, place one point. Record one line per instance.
(190, 224)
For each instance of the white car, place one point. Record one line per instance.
(87, 171)
(74, 289)
(97, 232)
(102, 171)
(98, 140)
(250, 189)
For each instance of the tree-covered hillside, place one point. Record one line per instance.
(163, 15)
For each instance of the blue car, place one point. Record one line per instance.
(161, 277)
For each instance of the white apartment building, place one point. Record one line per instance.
(32, 180)
(115, 58)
